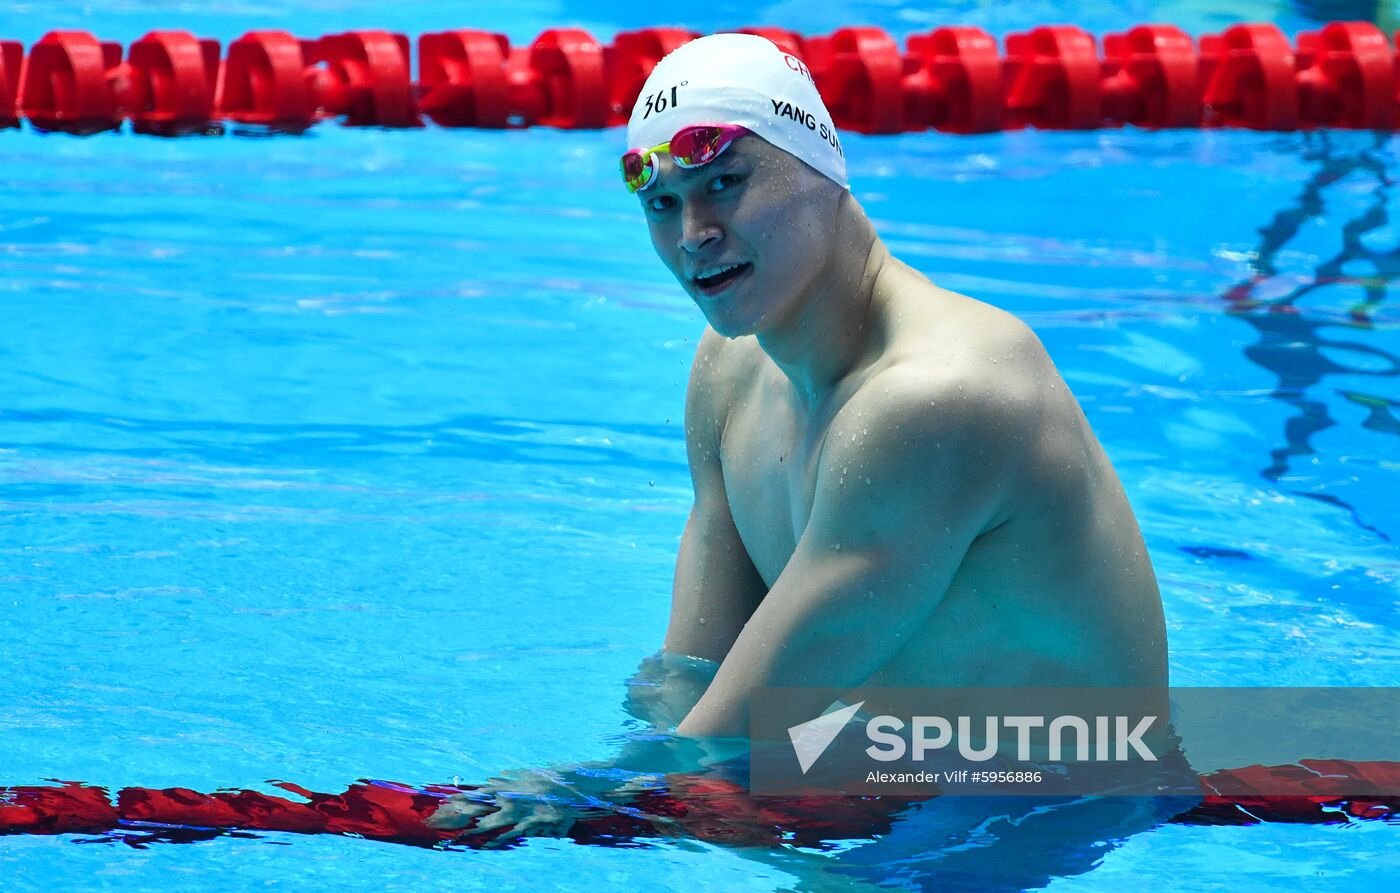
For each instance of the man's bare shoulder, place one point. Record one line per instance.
(721, 366)
(952, 336)
(930, 444)
(718, 357)
(954, 363)
(922, 414)
(963, 390)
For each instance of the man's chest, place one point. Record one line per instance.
(769, 458)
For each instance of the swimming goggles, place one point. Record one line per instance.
(691, 147)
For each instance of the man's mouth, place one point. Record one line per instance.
(713, 280)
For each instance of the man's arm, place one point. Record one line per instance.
(910, 475)
(716, 587)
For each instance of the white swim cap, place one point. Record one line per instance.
(739, 79)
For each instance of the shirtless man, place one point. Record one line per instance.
(893, 485)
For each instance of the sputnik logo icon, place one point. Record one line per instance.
(811, 738)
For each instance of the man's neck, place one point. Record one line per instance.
(829, 335)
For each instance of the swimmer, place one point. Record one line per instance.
(893, 485)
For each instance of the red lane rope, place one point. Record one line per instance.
(702, 807)
(951, 79)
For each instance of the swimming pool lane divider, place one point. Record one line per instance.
(697, 806)
(951, 79)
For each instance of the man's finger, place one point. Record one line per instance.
(456, 813)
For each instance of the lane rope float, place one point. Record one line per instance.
(703, 807)
(951, 79)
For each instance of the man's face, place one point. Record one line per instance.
(746, 235)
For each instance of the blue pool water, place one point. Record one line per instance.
(358, 455)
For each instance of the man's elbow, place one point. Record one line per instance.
(705, 721)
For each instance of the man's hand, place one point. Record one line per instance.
(541, 802)
(535, 803)
(666, 686)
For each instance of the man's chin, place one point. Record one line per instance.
(731, 328)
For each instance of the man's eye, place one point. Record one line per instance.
(660, 202)
(724, 181)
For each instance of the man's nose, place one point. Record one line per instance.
(698, 227)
